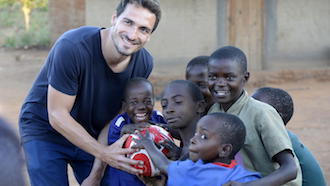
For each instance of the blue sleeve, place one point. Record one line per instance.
(115, 127)
(157, 117)
(63, 73)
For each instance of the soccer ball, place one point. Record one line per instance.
(158, 135)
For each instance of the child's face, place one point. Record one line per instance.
(199, 75)
(139, 102)
(179, 108)
(226, 80)
(206, 142)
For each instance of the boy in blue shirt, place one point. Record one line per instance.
(218, 137)
(281, 100)
(138, 107)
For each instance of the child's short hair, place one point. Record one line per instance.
(135, 81)
(194, 91)
(231, 130)
(230, 52)
(199, 60)
(279, 99)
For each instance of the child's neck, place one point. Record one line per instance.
(226, 106)
(188, 132)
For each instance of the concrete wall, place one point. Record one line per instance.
(188, 28)
(297, 33)
(65, 15)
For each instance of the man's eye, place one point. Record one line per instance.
(203, 136)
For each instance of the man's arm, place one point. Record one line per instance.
(59, 107)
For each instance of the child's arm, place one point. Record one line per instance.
(157, 157)
(96, 174)
(285, 173)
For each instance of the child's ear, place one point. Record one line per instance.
(225, 150)
(201, 106)
(124, 105)
(246, 76)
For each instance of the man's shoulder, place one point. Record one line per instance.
(81, 33)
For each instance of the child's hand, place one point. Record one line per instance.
(143, 140)
(131, 128)
(174, 151)
(153, 181)
(233, 183)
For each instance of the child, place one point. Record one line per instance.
(138, 105)
(11, 163)
(218, 137)
(281, 100)
(267, 147)
(183, 105)
(196, 71)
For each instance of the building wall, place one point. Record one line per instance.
(65, 15)
(188, 28)
(296, 32)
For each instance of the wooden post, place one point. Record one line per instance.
(246, 29)
(65, 15)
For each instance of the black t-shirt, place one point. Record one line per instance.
(76, 66)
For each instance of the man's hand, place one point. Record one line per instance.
(115, 156)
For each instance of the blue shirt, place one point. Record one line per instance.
(311, 171)
(200, 174)
(76, 66)
(115, 176)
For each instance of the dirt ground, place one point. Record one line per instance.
(309, 89)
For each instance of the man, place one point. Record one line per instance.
(79, 90)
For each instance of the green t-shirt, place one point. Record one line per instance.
(265, 135)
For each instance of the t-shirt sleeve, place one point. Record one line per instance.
(63, 73)
(114, 129)
(273, 133)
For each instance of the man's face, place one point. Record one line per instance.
(139, 102)
(199, 75)
(226, 81)
(131, 30)
(178, 106)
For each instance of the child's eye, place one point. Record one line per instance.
(133, 102)
(212, 78)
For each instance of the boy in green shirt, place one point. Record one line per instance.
(267, 148)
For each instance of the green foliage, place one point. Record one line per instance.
(13, 34)
(6, 3)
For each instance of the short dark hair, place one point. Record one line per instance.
(152, 5)
(231, 52)
(197, 61)
(134, 81)
(11, 163)
(231, 130)
(279, 99)
(194, 90)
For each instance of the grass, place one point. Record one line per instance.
(13, 33)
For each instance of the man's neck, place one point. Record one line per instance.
(116, 61)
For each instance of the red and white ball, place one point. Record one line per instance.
(158, 135)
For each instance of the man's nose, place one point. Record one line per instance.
(132, 34)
